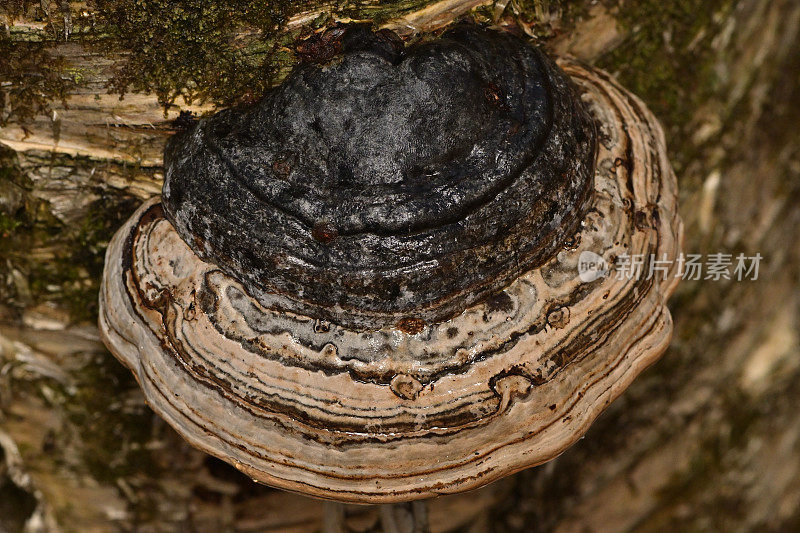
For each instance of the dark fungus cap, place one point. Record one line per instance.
(390, 183)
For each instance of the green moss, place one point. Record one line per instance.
(30, 80)
(712, 485)
(76, 270)
(667, 60)
(709, 459)
(69, 272)
(8, 225)
(378, 12)
(222, 52)
(114, 433)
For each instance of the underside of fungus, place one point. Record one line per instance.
(366, 286)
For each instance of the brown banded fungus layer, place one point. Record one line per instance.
(390, 182)
(317, 403)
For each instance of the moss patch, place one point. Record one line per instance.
(58, 262)
(30, 79)
(667, 60)
(201, 51)
(115, 427)
(225, 53)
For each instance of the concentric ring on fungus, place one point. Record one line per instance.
(377, 317)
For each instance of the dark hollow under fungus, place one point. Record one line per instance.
(389, 181)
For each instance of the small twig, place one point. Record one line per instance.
(66, 12)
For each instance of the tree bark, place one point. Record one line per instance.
(706, 439)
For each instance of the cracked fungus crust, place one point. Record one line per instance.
(390, 185)
(315, 401)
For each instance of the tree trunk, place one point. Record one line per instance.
(706, 439)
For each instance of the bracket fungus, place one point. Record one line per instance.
(365, 287)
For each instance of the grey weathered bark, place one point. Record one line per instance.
(707, 439)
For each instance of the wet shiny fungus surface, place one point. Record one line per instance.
(390, 182)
